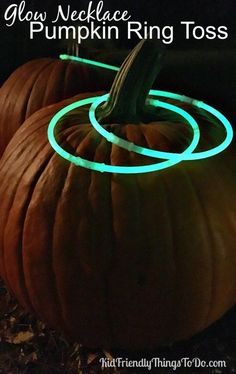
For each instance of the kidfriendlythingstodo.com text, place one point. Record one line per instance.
(97, 22)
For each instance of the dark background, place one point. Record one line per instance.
(204, 69)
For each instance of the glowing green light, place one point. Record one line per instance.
(229, 133)
(187, 154)
(89, 62)
(141, 150)
(200, 104)
(171, 158)
(79, 161)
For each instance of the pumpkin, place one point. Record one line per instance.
(42, 82)
(114, 260)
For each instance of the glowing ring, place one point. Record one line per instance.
(200, 104)
(79, 161)
(142, 150)
(166, 155)
(89, 62)
(182, 98)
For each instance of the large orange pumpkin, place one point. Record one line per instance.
(42, 82)
(112, 260)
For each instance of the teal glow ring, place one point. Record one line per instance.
(142, 150)
(89, 62)
(186, 155)
(79, 161)
(199, 104)
(172, 158)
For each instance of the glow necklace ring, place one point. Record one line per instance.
(167, 155)
(147, 151)
(201, 105)
(170, 95)
(79, 161)
(172, 158)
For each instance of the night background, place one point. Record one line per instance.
(203, 69)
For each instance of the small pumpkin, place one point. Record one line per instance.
(112, 260)
(42, 82)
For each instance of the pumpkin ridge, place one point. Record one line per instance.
(4, 167)
(7, 156)
(58, 70)
(106, 290)
(16, 188)
(144, 222)
(119, 250)
(210, 240)
(34, 78)
(38, 77)
(11, 86)
(171, 257)
(81, 136)
(9, 202)
(31, 126)
(58, 318)
(145, 254)
(112, 261)
(12, 82)
(170, 136)
(25, 103)
(124, 252)
(177, 250)
(68, 138)
(59, 299)
(164, 142)
(73, 170)
(143, 261)
(26, 299)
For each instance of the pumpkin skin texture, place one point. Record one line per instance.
(40, 83)
(122, 261)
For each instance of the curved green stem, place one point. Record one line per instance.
(132, 84)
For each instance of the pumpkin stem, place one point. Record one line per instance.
(73, 49)
(131, 86)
